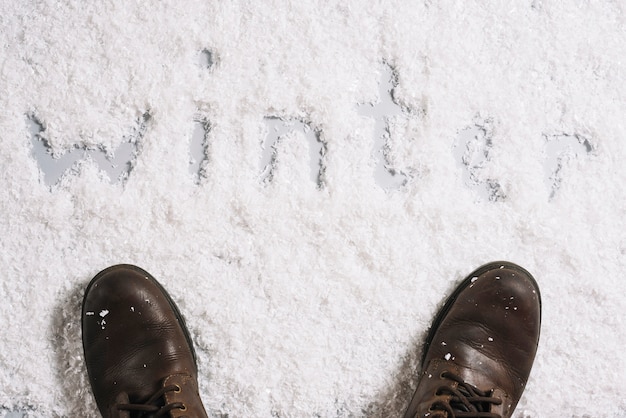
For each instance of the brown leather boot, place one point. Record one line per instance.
(481, 346)
(139, 355)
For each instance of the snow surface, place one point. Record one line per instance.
(309, 294)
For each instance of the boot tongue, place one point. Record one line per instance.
(469, 394)
(481, 370)
(469, 399)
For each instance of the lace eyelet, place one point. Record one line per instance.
(178, 389)
(183, 408)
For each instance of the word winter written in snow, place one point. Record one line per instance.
(471, 148)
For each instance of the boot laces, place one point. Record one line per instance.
(466, 401)
(152, 407)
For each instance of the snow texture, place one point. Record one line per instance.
(309, 293)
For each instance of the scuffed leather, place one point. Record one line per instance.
(487, 333)
(134, 339)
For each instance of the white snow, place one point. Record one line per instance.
(308, 288)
